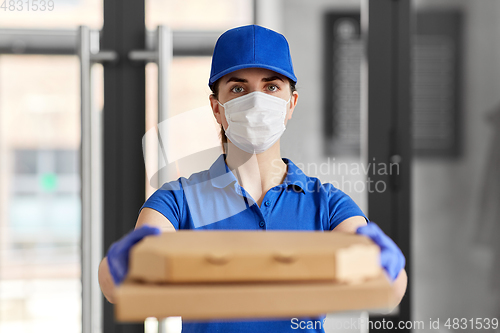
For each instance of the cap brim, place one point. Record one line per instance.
(243, 66)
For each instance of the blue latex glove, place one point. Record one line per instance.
(391, 257)
(118, 253)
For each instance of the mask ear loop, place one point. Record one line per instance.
(224, 109)
(289, 100)
(287, 104)
(226, 145)
(287, 108)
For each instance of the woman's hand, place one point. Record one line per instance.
(118, 253)
(391, 257)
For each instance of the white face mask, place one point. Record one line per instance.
(255, 121)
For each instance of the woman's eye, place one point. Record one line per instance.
(272, 87)
(237, 89)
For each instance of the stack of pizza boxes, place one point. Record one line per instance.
(251, 274)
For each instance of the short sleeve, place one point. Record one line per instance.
(168, 200)
(341, 206)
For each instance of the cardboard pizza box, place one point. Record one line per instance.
(138, 301)
(189, 256)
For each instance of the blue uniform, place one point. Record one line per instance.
(213, 199)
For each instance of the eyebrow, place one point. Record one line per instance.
(236, 79)
(266, 79)
(272, 78)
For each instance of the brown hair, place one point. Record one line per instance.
(215, 92)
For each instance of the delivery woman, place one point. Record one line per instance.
(250, 186)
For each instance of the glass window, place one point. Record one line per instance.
(53, 14)
(66, 161)
(198, 14)
(25, 161)
(188, 91)
(40, 213)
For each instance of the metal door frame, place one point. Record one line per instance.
(387, 27)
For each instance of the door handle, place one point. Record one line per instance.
(91, 170)
(162, 55)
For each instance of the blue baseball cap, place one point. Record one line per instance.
(251, 46)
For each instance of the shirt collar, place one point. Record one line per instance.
(221, 176)
(219, 173)
(294, 176)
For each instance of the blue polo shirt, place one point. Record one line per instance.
(213, 199)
